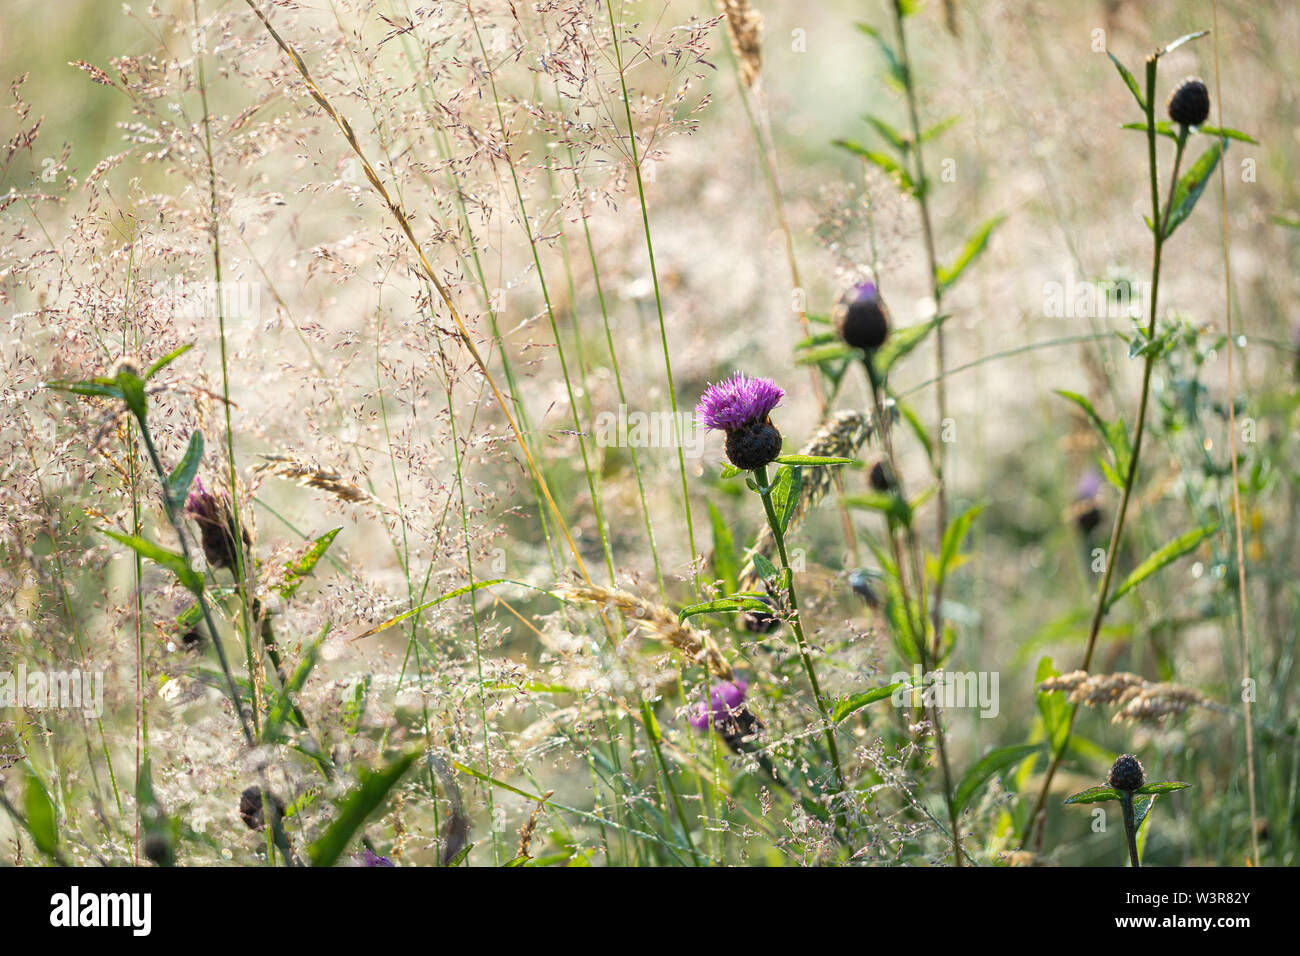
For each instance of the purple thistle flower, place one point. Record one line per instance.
(736, 402)
(727, 698)
(370, 858)
(1089, 484)
(216, 526)
(741, 406)
(861, 317)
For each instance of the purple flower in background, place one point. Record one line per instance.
(370, 858)
(861, 318)
(727, 699)
(741, 406)
(1089, 484)
(216, 526)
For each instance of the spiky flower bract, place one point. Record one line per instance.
(1189, 105)
(861, 317)
(1127, 773)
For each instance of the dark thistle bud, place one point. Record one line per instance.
(882, 478)
(216, 526)
(158, 850)
(861, 318)
(251, 807)
(1127, 773)
(1189, 105)
(741, 406)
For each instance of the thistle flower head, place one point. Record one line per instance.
(216, 526)
(370, 858)
(741, 400)
(727, 698)
(861, 317)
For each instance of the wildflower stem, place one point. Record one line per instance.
(1130, 826)
(796, 625)
(1158, 225)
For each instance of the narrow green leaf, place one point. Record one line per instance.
(296, 571)
(1167, 786)
(901, 342)
(1129, 81)
(1186, 37)
(1093, 795)
(170, 560)
(726, 561)
(855, 702)
(357, 806)
(727, 605)
(1142, 807)
(477, 585)
(766, 569)
(819, 460)
(975, 245)
(881, 160)
(42, 821)
(993, 762)
(1167, 555)
(953, 536)
(166, 360)
(887, 132)
(1190, 186)
(896, 73)
(1053, 706)
(785, 494)
(178, 483)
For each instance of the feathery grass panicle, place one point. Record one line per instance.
(1136, 699)
(654, 620)
(745, 28)
(308, 476)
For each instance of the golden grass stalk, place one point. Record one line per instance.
(654, 620)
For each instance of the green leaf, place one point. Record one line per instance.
(282, 709)
(940, 127)
(42, 822)
(1190, 186)
(953, 536)
(896, 73)
(1169, 130)
(726, 563)
(428, 604)
(975, 245)
(993, 762)
(166, 360)
(855, 702)
(1142, 807)
(721, 606)
(178, 483)
(825, 353)
(785, 494)
(881, 160)
(817, 460)
(1052, 705)
(766, 569)
(95, 388)
(133, 393)
(156, 823)
(890, 505)
(1167, 555)
(1186, 37)
(1167, 786)
(1115, 434)
(893, 136)
(1130, 82)
(1094, 795)
(170, 560)
(902, 341)
(296, 571)
(357, 806)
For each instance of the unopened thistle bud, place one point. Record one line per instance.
(251, 808)
(759, 622)
(741, 406)
(1189, 105)
(216, 526)
(882, 478)
(1127, 773)
(861, 318)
